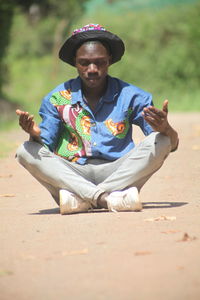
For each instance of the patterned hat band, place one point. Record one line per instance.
(88, 27)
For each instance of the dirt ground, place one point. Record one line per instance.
(153, 254)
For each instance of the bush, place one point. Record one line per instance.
(162, 55)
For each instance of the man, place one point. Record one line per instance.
(83, 152)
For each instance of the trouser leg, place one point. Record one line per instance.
(90, 180)
(56, 173)
(138, 165)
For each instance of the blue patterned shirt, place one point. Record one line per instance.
(73, 131)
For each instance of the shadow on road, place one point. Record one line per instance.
(57, 211)
(50, 211)
(146, 205)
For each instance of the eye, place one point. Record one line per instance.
(101, 63)
(98, 63)
(83, 63)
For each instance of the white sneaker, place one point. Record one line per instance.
(71, 203)
(124, 200)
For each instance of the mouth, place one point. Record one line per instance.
(92, 79)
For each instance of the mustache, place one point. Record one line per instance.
(92, 74)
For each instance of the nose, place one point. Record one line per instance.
(92, 68)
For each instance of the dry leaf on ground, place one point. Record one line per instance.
(7, 195)
(6, 176)
(187, 238)
(170, 231)
(196, 147)
(138, 253)
(75, 252)
(161, 218)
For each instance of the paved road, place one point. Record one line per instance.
(153, 254)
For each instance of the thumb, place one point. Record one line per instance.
(165, 106)
(18, 112)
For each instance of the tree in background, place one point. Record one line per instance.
(61, 12)
(162, 46)
(6, 14)
(128, 5)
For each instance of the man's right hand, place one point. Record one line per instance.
(27, 123)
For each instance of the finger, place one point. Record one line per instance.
(29, 126)
(157, 111)
(25, 116)
(155, 126)
(154, 114)
(18, 112)
(151, 124)
(24, 120)
(152, 121)
(165, 106)
(151, 113)
(30, 118)
(21, 119)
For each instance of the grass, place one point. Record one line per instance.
(30, 82)
(180, 100)
(27, 86)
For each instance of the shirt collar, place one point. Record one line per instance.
(110, 94)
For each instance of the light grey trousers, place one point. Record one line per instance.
(89, 181)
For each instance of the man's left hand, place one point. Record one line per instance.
(157, 118)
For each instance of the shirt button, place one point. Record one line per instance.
(94, 143)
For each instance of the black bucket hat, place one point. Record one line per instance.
(87, 33)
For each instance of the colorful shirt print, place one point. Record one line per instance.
(74, 141)
(70, 129)
(119, 129)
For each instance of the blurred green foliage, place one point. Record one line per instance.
(6, 14)
(162, 50)
(31, 31)
(118, 6)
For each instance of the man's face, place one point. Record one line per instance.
(92, 61)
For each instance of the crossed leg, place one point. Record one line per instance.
(93, 179)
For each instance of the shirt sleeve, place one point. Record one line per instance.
(51, 124)
(142, 100)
